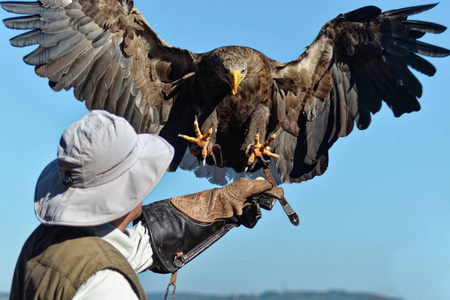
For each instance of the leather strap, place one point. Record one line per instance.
(292, 215)
(173, 282)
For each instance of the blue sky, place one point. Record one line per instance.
(377, 221)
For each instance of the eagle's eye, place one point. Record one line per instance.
(243, 71)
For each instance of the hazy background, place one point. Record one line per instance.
(377, 221)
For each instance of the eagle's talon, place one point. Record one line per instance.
(249, 149)
(258, 150)
(201, 140)
(267, 161)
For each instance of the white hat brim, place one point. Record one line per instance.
(56, 204)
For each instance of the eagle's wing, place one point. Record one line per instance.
(358, 60)
(107, 52)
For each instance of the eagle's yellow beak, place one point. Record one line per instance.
(235, 80)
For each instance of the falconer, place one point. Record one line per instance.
(87, 197)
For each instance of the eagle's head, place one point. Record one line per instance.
(230, 66)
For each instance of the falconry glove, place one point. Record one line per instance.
(182, 227)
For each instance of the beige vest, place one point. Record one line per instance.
(56, 260)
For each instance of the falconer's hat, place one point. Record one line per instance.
(103, 171)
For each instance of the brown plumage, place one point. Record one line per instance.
(113, 59)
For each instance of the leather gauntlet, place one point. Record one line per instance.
(182, 227)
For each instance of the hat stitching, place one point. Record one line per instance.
(120, 162)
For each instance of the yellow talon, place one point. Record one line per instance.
(259, 149)
(201, 140)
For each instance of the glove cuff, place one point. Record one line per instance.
(172, 232)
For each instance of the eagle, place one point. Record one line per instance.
(232, 111)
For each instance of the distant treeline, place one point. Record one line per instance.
(328, 295)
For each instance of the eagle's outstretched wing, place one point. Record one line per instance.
(107, 52)
(358, 60)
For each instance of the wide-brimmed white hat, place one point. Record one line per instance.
(102, 172)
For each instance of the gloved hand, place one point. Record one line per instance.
(190, 224)
(225, 202)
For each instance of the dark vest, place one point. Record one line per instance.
(56, 260)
